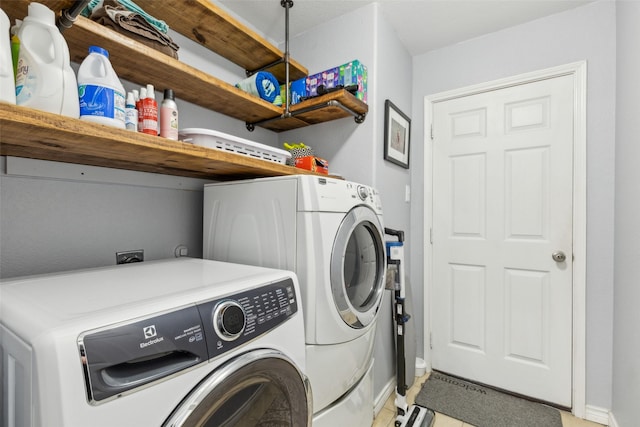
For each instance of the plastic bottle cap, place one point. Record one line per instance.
(130, 99)
(98, 49)
(168, 94)
(150, 92)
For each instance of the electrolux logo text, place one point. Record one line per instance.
(150, 332)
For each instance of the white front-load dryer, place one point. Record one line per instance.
(184, 342)
(330, 233)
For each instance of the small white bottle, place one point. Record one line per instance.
(169, 116)
(131, 113)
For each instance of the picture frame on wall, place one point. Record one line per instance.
(397, 132)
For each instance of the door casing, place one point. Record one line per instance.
(579, 72)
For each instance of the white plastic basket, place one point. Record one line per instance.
(222, 141)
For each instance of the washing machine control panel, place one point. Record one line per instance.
(231, 321)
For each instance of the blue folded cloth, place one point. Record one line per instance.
(264, 85)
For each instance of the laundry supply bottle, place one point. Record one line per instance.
(15, 47)
(44, 78)
(7, 79)
(131, 114)
(169, 116)
(143, 95)
(150, 112)
(101, 94)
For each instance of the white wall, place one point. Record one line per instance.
(585, 33)
(626, 326)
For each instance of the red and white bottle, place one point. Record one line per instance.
(150, 112)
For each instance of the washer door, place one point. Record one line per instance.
(357, 267)
(258, 388)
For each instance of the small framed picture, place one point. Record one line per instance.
(397, 129)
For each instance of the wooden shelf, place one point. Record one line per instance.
(209, 25)
(35, 134)
(29, 133)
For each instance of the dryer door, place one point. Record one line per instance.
(258, 388)
(357, 267)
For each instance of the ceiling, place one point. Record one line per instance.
(422, 25)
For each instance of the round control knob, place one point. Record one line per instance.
(229, 320)
(363, 193)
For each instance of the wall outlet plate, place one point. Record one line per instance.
(127, 257)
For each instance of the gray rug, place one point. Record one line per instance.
(481, 406)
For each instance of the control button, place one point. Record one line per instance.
(362, 192)
(229, 320)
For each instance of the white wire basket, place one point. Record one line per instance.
(222, 141)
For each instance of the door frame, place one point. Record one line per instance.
(578, 70)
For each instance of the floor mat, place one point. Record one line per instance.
(481, 406)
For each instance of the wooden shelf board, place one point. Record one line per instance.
(206, 24)
(323, 114)
(214, 28)
(59, 138)
(138, 63)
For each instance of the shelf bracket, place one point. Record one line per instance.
(358, 117)
(250, 73)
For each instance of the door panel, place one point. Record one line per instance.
(502, 204)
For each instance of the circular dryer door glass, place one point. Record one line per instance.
(256, 389)
(357, 267)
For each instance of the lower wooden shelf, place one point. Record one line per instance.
(29, 133)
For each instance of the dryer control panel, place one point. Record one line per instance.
(234, 320)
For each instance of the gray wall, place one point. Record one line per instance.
(356, 151)
(626, 325)
(585, 33)
(56, 217)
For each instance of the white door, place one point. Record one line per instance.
(502, 207)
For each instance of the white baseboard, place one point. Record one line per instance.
(598, 415)
(612, 420)
(382, 397)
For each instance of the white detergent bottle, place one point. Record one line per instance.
(7, 81)
(102, 96)
(44, 78)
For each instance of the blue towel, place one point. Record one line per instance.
(262, 84)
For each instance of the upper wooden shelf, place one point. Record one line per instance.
(143, 65)
(203, 22)
(214, 28)
(58, 138)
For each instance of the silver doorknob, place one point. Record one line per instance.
(559, 256)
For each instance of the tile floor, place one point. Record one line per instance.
(386, 417)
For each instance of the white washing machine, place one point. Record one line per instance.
(329, 232)
(184, 342)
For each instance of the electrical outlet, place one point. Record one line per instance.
(130, 256)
